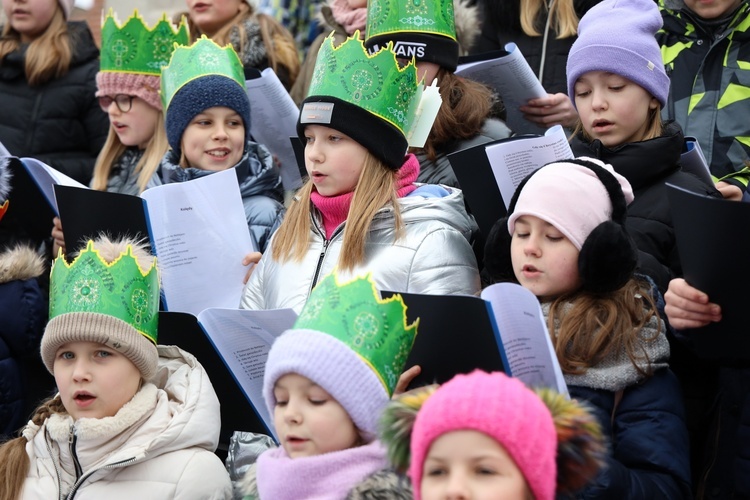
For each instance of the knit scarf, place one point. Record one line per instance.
(351, 19)
(321, 477)
(335, 209)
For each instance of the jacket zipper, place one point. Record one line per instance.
(115, 465)
(54, 463)
(72, 440)
(323, 251)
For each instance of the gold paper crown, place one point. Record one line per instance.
(134, 48)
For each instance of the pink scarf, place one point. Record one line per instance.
(321, 477)
(335, 209)
(351, 19)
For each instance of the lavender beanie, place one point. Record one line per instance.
(618, 36)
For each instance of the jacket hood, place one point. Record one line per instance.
(177, 410)
(20, 263)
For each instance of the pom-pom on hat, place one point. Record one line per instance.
(351, 343)
(133, 54)
(366, 96)
(114, 302)
(424, 30)
(618, 36)
(547, 194)
(199, 77)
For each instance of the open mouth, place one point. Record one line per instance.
(219, 154)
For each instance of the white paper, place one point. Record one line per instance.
(243, 338)
(273, 120)
(200, 235)
(4, 151)
(514, 159)
(526, 340)
(46, 177)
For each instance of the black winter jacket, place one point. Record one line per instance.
(59, 122)
(649, 166)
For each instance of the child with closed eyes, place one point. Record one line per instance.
(565, 240)
(326, 383)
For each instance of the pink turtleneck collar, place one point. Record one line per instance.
(335, 209)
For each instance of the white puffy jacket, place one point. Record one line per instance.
(159, 445)
(433, 256)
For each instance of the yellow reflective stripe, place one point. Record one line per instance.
(694, 100)
(734, 93)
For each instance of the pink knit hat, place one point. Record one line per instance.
(67, 7)
(144, 86)
(501, 407)
(547, 192)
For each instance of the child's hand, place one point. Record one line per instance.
(58, 242)
(250, 260)
(551, 110)
(688, 307)
(729, 191)
(405, 379)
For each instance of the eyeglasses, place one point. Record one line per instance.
(123, 102)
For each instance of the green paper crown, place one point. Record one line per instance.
(134, 48)
(419, 16)
(372, 82)
(376, 329)
(120, 289)
(202, 58)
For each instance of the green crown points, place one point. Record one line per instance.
(120, 289)
(202, 58)
(136, 48)
(419, 16)
(376, 329)
(372, 82)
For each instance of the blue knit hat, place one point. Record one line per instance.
(199, 95)
(199, 77)
(618, 36)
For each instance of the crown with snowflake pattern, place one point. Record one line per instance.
(120, 289)
(133, 47)
(202, 58)
(374, 82)
(355, 314)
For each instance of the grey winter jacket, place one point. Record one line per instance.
(260, 187)
(124, 179)
(434, 256)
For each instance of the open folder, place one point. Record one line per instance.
(712, 238)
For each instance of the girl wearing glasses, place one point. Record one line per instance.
(47, 70)
(128, 91)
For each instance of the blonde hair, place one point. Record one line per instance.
(562, 15)
(146, 166)
(281, 49)
(654, 129)
(14, 461)
(375, 189)
(596, 326)
(48, 56)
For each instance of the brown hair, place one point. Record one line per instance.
(375, 189)
(281, 49)
(466, 106)
(14, 461)
(48, 56)
(562, 14)
(146, 166)
(596, 326)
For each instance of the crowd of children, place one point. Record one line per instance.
(591, 237)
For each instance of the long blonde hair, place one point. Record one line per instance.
(14, 461)
(48, 56)
(146, 166)
(281, 49)
(375, 189)
(590, 327)
(562, 14)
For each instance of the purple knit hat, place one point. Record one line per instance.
(501, 407)
(618, 36)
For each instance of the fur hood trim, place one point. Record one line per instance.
(5, 177)
(467, 25)
(20, 263)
